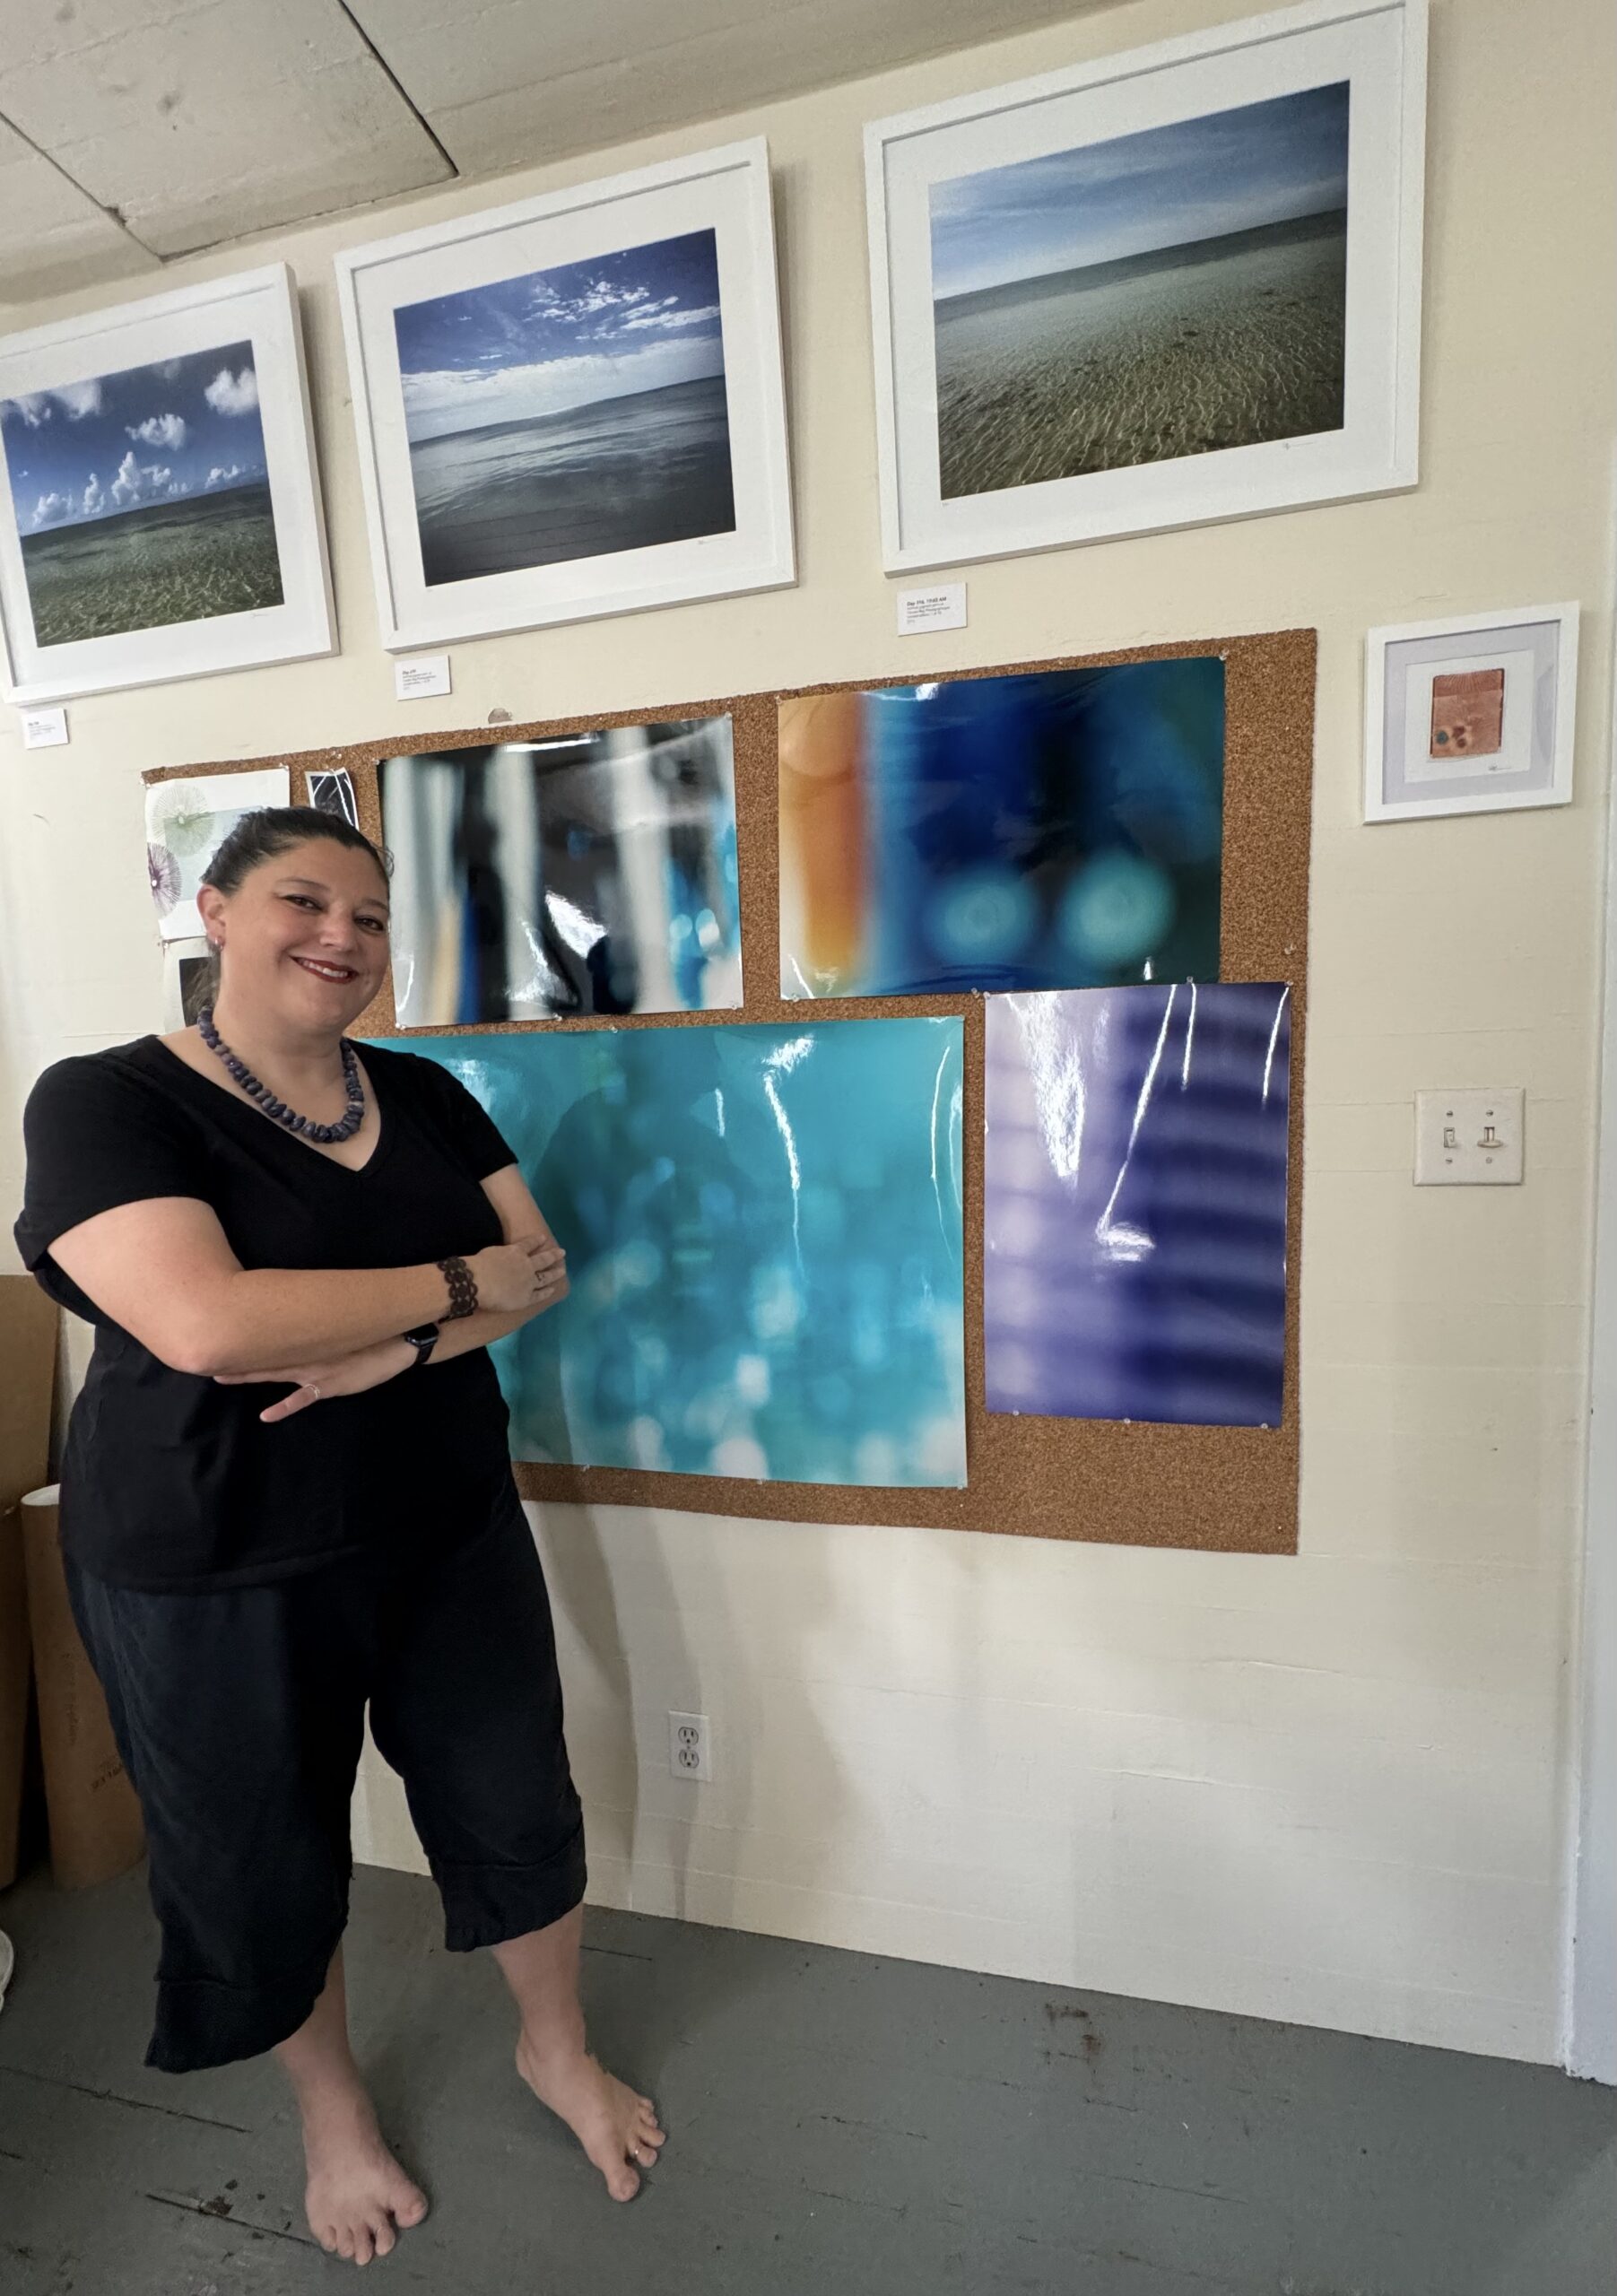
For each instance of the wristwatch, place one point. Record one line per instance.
(424, 1339)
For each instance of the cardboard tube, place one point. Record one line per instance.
(95, 1820)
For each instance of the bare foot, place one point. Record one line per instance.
(358, 2193)
(614, 2125)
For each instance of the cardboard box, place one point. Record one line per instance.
(95, 1822)
(28, 1324)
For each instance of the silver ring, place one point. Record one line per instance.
(313, 1388)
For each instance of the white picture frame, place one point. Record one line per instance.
(1007, 426)
(537, 276)
(1534, 651)
(218, 471)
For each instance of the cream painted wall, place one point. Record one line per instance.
(1333, 1788)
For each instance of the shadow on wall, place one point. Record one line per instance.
(647, 1622)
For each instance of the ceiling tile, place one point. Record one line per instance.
(511, 83)
(52, 236)
(200, 120)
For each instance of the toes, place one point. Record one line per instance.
(382, 2235)
(623, 2183)
(364, 2247)
(410, 2212)
(345, 2244)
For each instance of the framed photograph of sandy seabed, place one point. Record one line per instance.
(1173, 286)
(160, 507)
(573, 406)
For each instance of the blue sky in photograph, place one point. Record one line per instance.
(634, 320)
(122, 442)
(1196, 179)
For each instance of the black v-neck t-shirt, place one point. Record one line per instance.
(170, 1481)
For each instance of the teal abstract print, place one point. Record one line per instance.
(763, 1233)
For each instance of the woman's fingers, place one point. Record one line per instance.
(289, 1404)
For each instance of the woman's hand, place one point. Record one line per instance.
(516, 1279)
(348, 1375)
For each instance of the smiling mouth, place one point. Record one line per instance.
(338, 974)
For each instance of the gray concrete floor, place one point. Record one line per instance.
(840, 2126)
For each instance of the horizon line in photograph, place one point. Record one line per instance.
(1162, 191)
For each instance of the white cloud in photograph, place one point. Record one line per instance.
(136, 483)
(165, 430)
(80, 399)
(230, 394)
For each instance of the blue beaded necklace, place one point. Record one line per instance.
(303, 1125)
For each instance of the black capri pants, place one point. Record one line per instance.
(240, 1715)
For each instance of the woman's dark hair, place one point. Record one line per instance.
(264, 834)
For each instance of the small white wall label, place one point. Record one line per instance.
(420, 674)
(943, 608)
(43, 729)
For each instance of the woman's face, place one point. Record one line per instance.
(304, 936)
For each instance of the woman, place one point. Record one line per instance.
(250, 1204)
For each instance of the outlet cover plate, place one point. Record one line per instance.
(690, 1746)
(1469, 1139)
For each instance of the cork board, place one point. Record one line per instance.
(1227, 1488)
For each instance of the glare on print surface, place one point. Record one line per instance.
(1135, 1178)
(763, 1236)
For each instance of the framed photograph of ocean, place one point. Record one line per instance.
(573, 406)
(160, 507)
(1170, 287)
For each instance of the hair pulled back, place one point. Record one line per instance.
(267, 833)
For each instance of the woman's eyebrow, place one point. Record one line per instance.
(319, 886)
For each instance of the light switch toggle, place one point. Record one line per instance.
(1469, 1139)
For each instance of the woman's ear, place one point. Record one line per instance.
(211, 908)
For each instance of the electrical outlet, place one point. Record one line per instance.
(1469, 1139)
(690, 1747)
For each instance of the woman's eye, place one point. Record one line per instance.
(374, 924)
(302, 900)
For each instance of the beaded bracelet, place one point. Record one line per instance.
(463, 1289)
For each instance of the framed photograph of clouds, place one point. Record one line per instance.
(1471, 715)
(573, 406)
(1173, 286)
(160, 507)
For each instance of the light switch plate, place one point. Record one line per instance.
(1469, 1139)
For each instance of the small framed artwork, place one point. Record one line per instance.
(574, 405)
(1470, 716)
(187, 965)
(1173, 286)
(159, 506)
